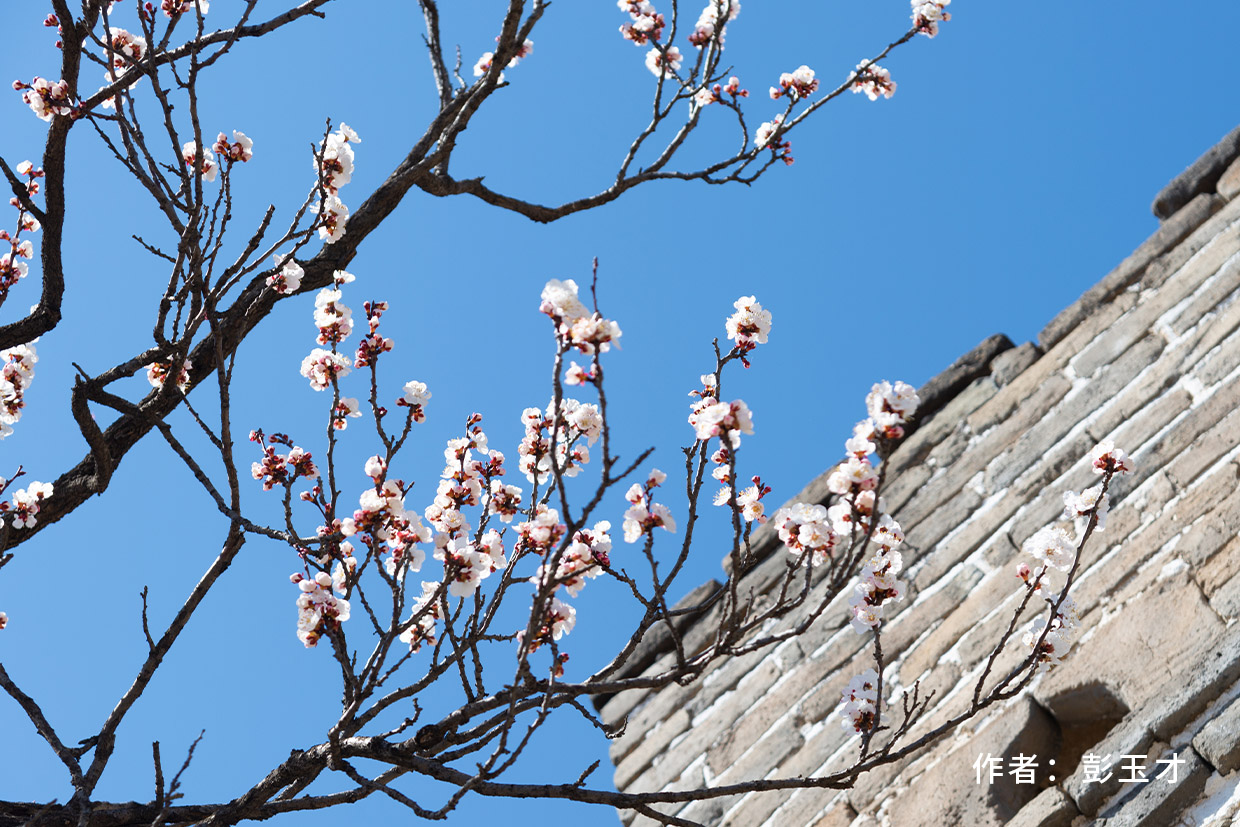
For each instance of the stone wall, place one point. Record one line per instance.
(1148, 357)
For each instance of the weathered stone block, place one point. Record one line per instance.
(619, 705)
(1133, 327)
(823, 699)
(758, 720)
(1050, 808)
(1131, 737)
(1159, 801)
(1207, 336)
(1168, 631)
(939, 523)
(1137, 428)
(657, 711)
(1220, 568)
(1203, 539)
(943, 387)
(912, 623)
(1201, 176)
(1011, 414)
(1011, 363)
(1213, 229)
(1220, 291)
(691, 779)
(1168, 446)
(872, 787)
(650, 745)
(815, 808)
(992, 591)
(1219, 741)
(1226, 599)
(1205, 450)
(716, 724)
(949, 793)
(1221, 362)
(1213, 671)
(767, 753)
(907, 484)
(1098, 583)
(1001, 551)
(1111, 382)
(1137, 507)
(1229, 183)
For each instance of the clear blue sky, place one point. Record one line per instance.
(1013, 168)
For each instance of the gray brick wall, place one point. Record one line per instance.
(1150, 357)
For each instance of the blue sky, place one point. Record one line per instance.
(1013, 168)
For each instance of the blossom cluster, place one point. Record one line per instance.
(576, 421)
(873, 80)
(127, 50)
(664, 61)
(484, 63)
(558, 619)
(927, 14)
(466, 481)
(335, 169)
(890, 407)
(858, 513)
(239, 149)
(714, 94)
(712, 22)
(13, 266)
(46, 98)
(797, 85)
(1063, 624)
(318, 609)
(372, 344)
(200, 163)
(585, 558)
(175, 8)
(421, 629)
(415, 398)
(877, 585)
(764, 137)
(333, 317)
(158, 372)
(646, 23)
(748, 500)
(726, 420)
(24, 509)
(859, 702)
(323, 367)
(1105, 458)
(644, 515)
(346, 408)
(576, 326)
(16, 374)
(287, 279)
(749, 326)
(1054, 549)
(280, 469)
(805, 529)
